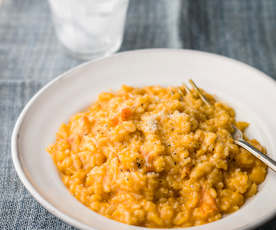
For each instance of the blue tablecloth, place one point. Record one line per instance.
(30, 56)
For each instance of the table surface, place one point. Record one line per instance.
(30, 56)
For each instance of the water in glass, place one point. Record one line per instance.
(89, 28)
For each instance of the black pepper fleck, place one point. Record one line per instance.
(138, 163)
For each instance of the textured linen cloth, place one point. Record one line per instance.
(31, 56)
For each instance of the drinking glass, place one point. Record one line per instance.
(89, 28)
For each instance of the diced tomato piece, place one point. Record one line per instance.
(126, 114)
(114, 121)
(207, 203)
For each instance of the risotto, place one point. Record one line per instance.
(157, 157)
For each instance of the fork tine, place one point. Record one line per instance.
(186, 88)
(202, 97)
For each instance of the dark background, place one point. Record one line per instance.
(30, 56)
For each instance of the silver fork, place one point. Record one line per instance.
(237, 135)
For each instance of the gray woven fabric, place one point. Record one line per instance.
(30, 56)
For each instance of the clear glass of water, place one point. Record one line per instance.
(89, 28)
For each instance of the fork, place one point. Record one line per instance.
(237, 135)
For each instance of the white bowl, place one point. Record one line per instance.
(249, 91)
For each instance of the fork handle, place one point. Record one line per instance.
(262, 157)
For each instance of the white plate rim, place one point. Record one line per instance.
(15, 134)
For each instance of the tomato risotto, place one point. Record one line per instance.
(157, 157)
